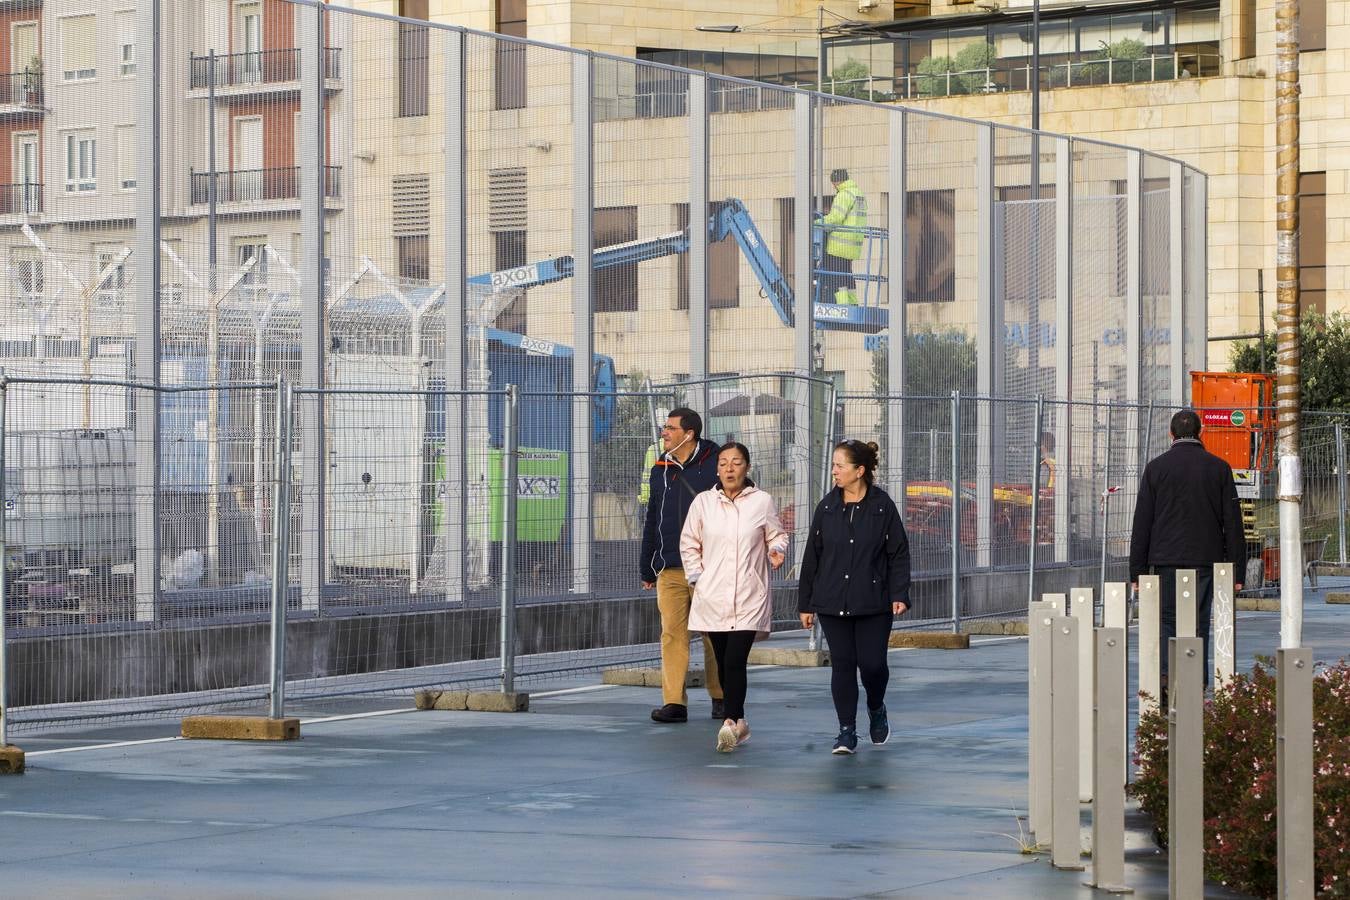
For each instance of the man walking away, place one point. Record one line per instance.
(842, 248)
(687, 468)
(1186, 517)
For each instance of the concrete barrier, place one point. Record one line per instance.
(1258, 604)
(929, 640)
(649, 677)
(11, 760)
(786, 656)
(1338, 597)
(472, 701)
(240, 728)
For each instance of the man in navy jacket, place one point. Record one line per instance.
(1186, 517)
(687, 467)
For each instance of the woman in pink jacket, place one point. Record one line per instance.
(730, 539)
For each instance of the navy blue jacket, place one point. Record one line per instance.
(673, 488)
(856, 562)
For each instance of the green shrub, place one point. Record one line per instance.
(1240, 835)
(931, 79)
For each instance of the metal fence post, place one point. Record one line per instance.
(956, 512)
(1225, 624)
(1150, 634)
(1108, 770)
(1034, 538)
(1065, 840)
(4, 567)
(1185, 769)
(510, 457)
(1106, 497)
(1081, 608)
(1340, 492)
(1040, 752)
(1294, 772)
(281, 544)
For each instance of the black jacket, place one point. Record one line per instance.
(1187, 513)
(856, 563)
(673, 488)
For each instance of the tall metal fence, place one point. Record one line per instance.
(399, 219)
(1029, 496)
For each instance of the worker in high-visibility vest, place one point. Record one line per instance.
(645, 487)
(1047, 451)
(843, 247)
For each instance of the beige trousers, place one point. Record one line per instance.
(673, 598)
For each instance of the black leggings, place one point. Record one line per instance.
(858, 646)
(732, 650)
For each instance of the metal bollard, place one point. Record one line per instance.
(1116, 614)
(1040, 748)
(1065, 839)
(1115, 605)
(1081, 608)
(510, 493)
(1294, 772)
(1224, 623)
(1150, 636)
(1186, 601)
(1185, 769)
(1108, 769)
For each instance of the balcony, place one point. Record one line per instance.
(21, 94)
(257, 72)
(259, 187)
(20, 199)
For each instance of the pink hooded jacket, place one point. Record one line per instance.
(725, 547)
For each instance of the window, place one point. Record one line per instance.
(787, 239)
(253, 286)
(1312, 25)
(78, 48)
(413, 59)
(110, 288)
(616, 288)
(81, 161)
(930, 264)
(510, 56)
(724, 258)
(126, 157)
(508, 252)
(1028, 226)
(1312, 241)
(126, 42)
(414, 258)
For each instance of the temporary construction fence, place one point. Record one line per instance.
(141, 578)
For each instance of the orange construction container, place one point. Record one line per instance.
(1237, 416)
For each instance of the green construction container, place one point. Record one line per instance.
(541, 494)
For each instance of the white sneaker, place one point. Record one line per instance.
(727, 737)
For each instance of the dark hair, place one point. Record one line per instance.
(839, 175)
(737, 446)
(1185, 424)
(689, 420)
(1048, 440)
(866, 455)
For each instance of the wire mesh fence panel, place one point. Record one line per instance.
(90, 637)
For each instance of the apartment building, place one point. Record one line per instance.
(230, 105)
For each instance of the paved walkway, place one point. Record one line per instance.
(583, 796)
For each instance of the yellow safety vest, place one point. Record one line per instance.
(645, 488)
(849, 210)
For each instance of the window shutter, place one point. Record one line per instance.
(78, 46)
(507, 203)
(412, 205)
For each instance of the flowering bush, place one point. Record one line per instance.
(1240, 835)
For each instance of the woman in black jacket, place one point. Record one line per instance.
(855, 577)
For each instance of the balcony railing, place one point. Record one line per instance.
(20, 199)
(260, 185)
(1000, 79)
(257, 67)
(21, 89)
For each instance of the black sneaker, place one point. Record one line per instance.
(719, 709)
(878, 726)
(670, 713)
(847, 742)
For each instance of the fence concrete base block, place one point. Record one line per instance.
(1258, 604)
(496, 701)
(443, 700)
(784, 656)
(930, 640)
(240, 728)
(649, 677)
(1338, 597)
(1110, 888)
(994, 626)
(1325, 569)
(11, 760)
